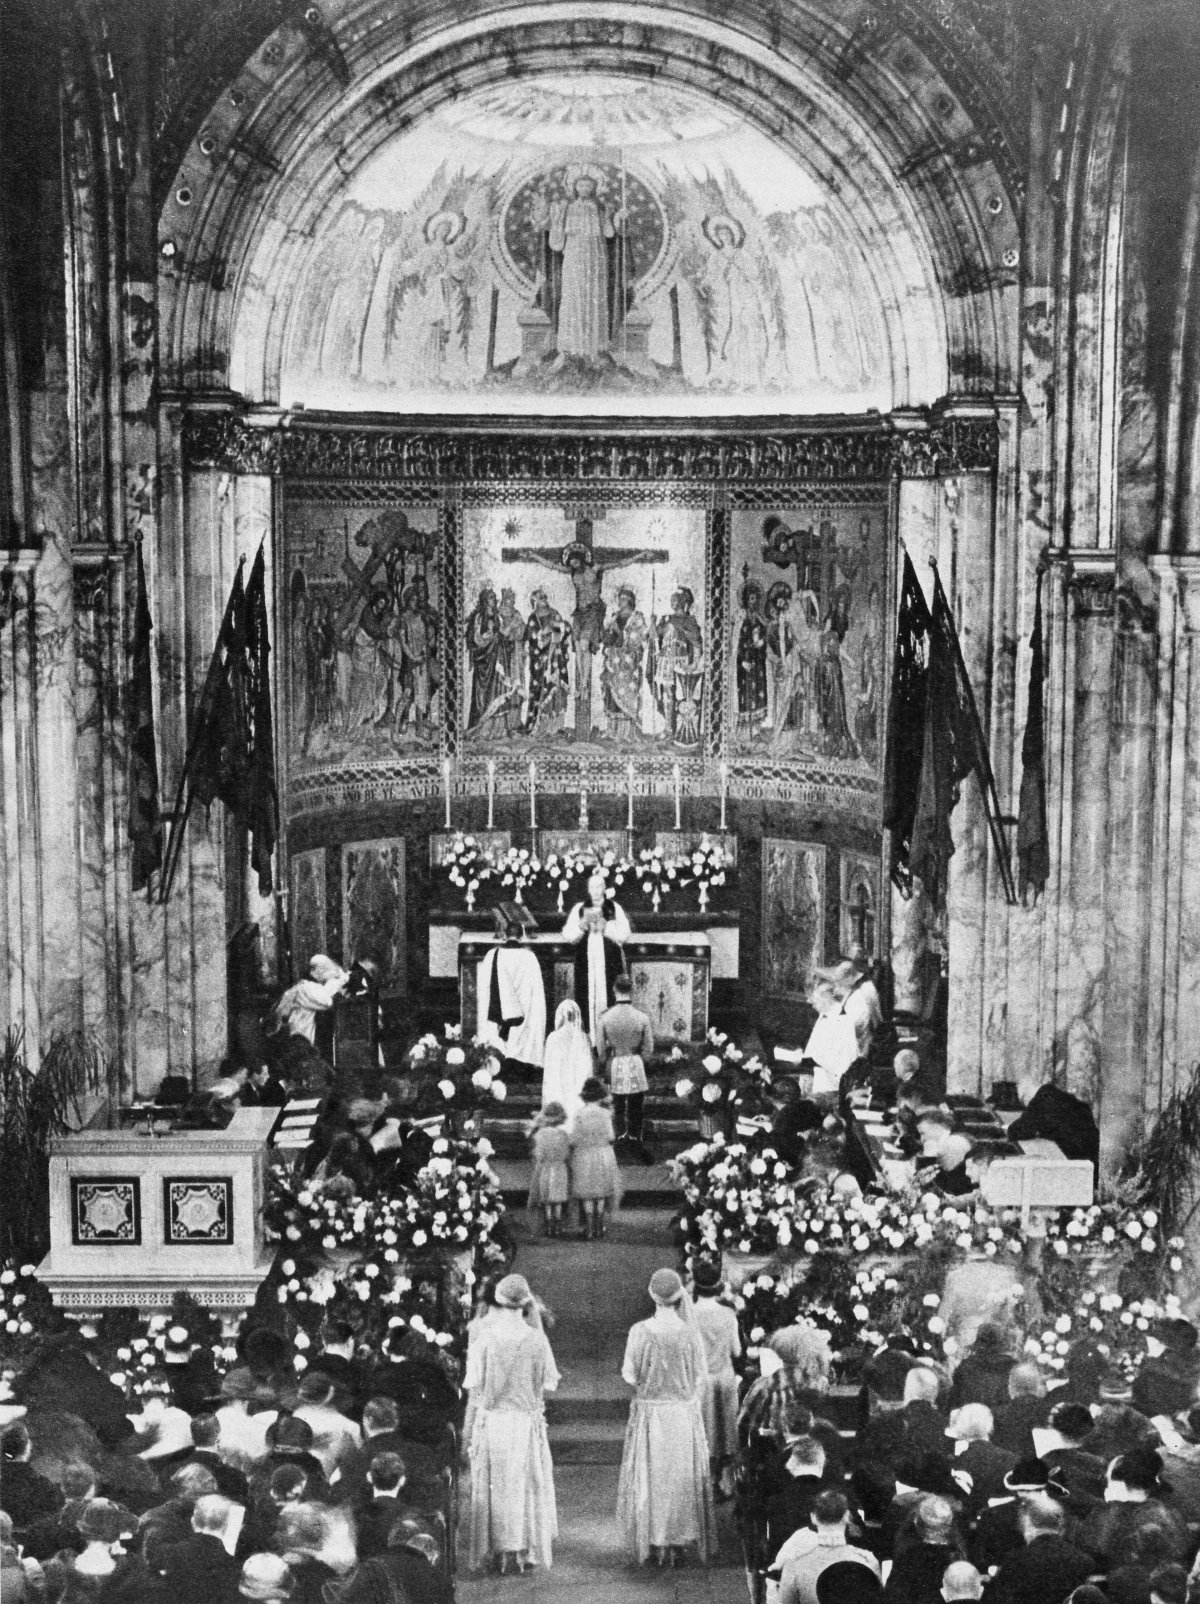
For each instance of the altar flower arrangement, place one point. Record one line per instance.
(517, 870)
(657, 874)
(706, 864)
(466, 865)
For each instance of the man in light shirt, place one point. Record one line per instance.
(806, 1554)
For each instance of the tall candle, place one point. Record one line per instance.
(446, 787)
(724, 791)
(491, 777)
(678, 794)
(629, 771)
(533, 796)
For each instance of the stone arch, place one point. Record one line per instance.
(922, 186)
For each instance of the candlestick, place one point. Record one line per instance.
(446, 787)
(583, 810)
(629, 771)
(533, 796)
(491, 782)
(678, 784)
(724, 792)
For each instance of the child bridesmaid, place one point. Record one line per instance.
(549, 1184)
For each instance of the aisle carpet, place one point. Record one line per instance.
(596, 1291)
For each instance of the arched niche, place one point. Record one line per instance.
(908, 180)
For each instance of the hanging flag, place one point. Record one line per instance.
(216, 768)
(145, 830)
(905, 725)
(262, 801)
(1033, 836)
(953, 745)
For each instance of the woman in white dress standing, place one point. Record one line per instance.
(509, 1371)
(568, 1061)
(664, 1495)
(600, 930)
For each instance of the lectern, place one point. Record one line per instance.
(136, 1217)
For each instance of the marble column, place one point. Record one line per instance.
(99, 763)
(1173, 960)
(1079, 973)
(966, 567)
(1127, 882)
(20, 858)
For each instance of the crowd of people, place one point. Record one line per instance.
(331, 1484)
(977, 1483)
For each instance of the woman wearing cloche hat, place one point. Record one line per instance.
(509, 1371)
(664, 1496)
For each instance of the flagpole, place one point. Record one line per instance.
(987, 780)
(183, 798)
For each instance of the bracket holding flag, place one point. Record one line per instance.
(231, 748)
(934, 741)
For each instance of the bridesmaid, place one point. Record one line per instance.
(510, 1369)
(664, 1495)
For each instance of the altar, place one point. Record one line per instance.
(670, 971)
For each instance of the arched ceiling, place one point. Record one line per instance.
(811, 224)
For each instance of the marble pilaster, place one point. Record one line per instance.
(54, 672)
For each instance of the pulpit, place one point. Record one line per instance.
(136, 1216)
(670, 972)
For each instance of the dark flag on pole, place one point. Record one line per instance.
(262, 803)
(953, 746)
(145, 830)
(216, 768)
(1033, 836)
(905, 724)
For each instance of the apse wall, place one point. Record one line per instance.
(506, 624)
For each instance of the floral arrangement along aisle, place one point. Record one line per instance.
(397, 1264)
(466, 1075)
(859, 1267)
(720, 1081)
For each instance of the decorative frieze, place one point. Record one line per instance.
(873, 451)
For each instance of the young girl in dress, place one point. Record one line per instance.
(595, 1179)
(549, 1184)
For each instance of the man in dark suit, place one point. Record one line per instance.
(428, 1467)
(200, 1570)
(206, 1432)
(1048, 1569)
(1079, 1471)
(1060, 1117)
(804, 1481)
(336, 1360)
(986, 1464)
(1166, 1384)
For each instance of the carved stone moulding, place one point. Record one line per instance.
(234, 1292)
(1092, 583)
(591, 450)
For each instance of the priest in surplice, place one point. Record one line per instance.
(512, 995)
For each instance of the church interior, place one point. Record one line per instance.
(641, 548)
